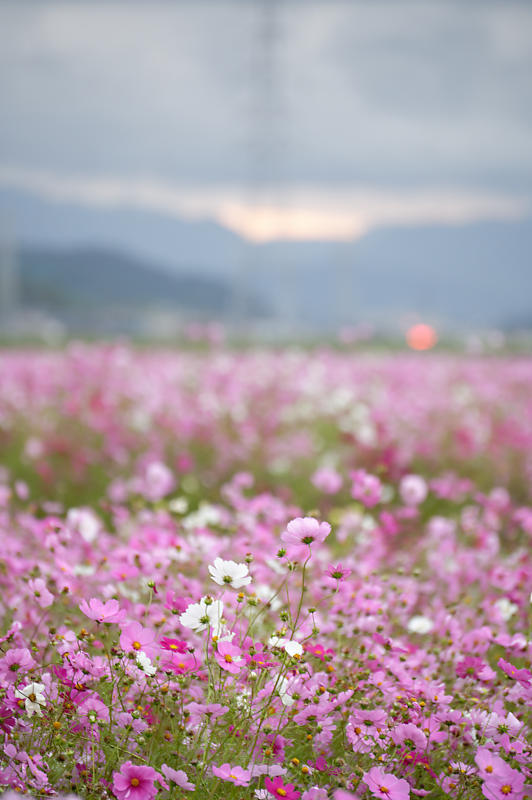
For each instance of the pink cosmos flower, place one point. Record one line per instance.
(43, 596)
(522, 676)
(236, 775)
(177, 603)
(179, 777)
(283, 791)
(469, 667)
(260, 661)
(109, 611)
(327, 480)
(135, 637)
(338, 572)
(366, 488)
(134, 782)
(496, 725)
(7, 720)
(413, 490)
(156, 482)
(509, 783)
(179, 663)
(386, 786)
(318, 650)
(315, 793)
(93, 709)
(305, 530)
(16, 662)
(409, 734)
(197, 712)
(229, 657)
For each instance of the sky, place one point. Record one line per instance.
(278, 119)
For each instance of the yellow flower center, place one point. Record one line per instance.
(281, 792)
(228, 659)
(506, 789)
(384, 789)
(135, 782)
(136, 645)
(173, 647)
(489, 768)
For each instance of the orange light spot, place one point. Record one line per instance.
(421, 337)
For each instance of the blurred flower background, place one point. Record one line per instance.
(282, 169)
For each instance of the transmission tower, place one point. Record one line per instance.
(263, 143)
(9, 278)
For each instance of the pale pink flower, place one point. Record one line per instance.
(135, 637)
(43, 596)
(179, 777)
(236, 775)
(413, 490)
(366, 488)
(135, 782)
(109, 611)
(305, 530)
(386, 786)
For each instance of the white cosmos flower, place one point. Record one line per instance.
(144, 663)
(33, 697)
(282, 688)
(420, 624)
(506, 608)
(288, 645)
(229, 573)
(200, 616)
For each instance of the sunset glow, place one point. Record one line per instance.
(301, 213)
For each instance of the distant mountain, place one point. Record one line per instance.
(158, 238)
(471, 275)
(87, 289)
(478, 274)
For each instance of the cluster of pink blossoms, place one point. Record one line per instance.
(217, 581)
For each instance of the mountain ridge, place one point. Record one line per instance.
(477, 274)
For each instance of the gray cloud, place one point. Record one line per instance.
(384, 93)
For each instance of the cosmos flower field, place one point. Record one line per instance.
(265, 574)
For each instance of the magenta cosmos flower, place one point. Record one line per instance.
(284, 791)
(135, 782)
(102, 612)
(387, 787)
(305, 530)
(236, 775)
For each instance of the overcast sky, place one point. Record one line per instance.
(360, 112)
